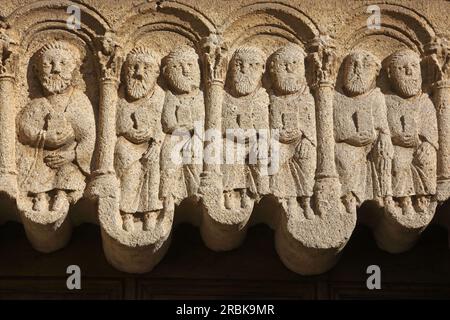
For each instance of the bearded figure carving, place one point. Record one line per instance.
(139, 140)
(182, 120)
(363, 143)
(292, 115)
(244, 118)
(413, 124)
(57, 133)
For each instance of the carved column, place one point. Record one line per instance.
(322, 77)
(8, 64)
(437, 62)
(104, 181)
(215, 61)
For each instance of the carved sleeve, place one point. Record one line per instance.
(380, 115)
(428, 128)
(84, 127)
(169, 120)
(28, 128)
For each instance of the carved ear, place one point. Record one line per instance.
(270, 66)
(388, 72)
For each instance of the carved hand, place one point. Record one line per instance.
(150, 156)
(360, 139)
(59, 159)
(304, 149)
(423, 152)
(408, 140)
(139, 136)
(56, 137)
(385, 147)
(290, 135)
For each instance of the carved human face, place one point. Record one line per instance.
(183, 73)
(247, 69)
(360, 72)
(140, 75)
(405, 75)
(56, 70)
(288, 72)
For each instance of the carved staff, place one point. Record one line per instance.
(104, 179)
(215, 61)
(437, 61)
(322, 76)
(8, 64)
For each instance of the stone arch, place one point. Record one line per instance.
(399, 24)
(29, 29)
(282, 21)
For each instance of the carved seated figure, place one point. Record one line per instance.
(292, 114)
(413, 124)
(244, 112)
(363, 143)
(182, 120)
(139, 141)
(57, 132)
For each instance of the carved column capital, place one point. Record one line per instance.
(110, 58)
(8, 57)
(322, 61)
(215, 59)
(437, 59)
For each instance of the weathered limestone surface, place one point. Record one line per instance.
(224, 114)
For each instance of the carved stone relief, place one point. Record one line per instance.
(168, 113)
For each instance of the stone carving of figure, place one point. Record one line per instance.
(245, 107)
(363, 143)
(56, 131)
(139, 140)
(413, 124)
(292, 114)
(183, 112)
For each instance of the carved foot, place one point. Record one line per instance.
(228, 199)
(407, 207)
(389, 204)
(128, 222)
(350, 203)
(246, 201)
(150, 220)
(60, 201)
(40, 202)
(423, 203)
(307, 210)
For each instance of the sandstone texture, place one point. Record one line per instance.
(139, 115)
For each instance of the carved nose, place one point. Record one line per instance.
(289, 68)
(138, 72)
(408, 71)
(185, 70)
(56, 68)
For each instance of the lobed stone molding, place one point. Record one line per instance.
(90, 117)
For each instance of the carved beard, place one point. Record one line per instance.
(245, 84)
(287, 83)
(408, 86)
(138, 88)
(357, 83)
(55, 83)
(183, 84)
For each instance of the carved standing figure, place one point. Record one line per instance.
(245, 110)
(413, 124)
(363, 143)
(139, 140)
(57, 132)
(182, 120)
(292, 114)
